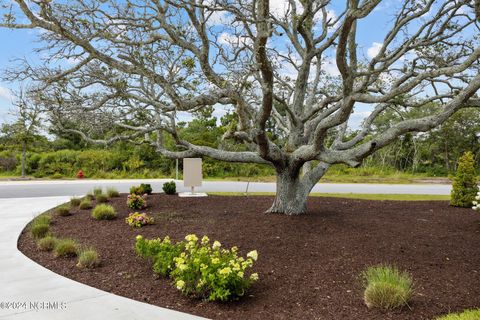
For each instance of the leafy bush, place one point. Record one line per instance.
(56, 175)
(47, 243)
(65, 248)
(88, 258)
(40, 226)
(169, 187)
(465, 315)
(142, 189)
(465, 186)
(137, 202)
(138, 220)
(86, 204)
(209, 272)
(104, 212)
(63, 211)
(75, 202)
(112, 192)
(102, 198)
(386, 287)
(97, 191)
(160, 252)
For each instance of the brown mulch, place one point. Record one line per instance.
(309, 265)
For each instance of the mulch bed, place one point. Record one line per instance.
(308, 265)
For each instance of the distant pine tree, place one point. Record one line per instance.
(465, 186)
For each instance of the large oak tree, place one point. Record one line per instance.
(291, 71)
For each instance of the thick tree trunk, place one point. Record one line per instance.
(292, 194)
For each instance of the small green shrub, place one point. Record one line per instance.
(112, 192)
(90, 196)
(139, 220)
(88, 258)
(160, 252)
(47, 243)
(464, 188)
(56, 176)
(104, 212)
(97, 191)
(466, 315)
(169, 187)
(75, 202)
(144, 188)
(137, 202)
(43, 219)
(386, 287)
(63, 211)
(102, 198)
(65, 248)
(86, 204)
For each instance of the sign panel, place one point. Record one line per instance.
(192, 172)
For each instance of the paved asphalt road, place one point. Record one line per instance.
(27, 189)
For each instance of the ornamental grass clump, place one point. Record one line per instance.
(75, 202)
(386, 287)
(160, 252)
(88, 258)
(65, 248)
(136, 202)
(47, 243)
(40, 226)
(104, 212)
(101, 198)
(97, 191)
(112, 192)
(63, 211)
(465, 315)
(86, 204)
(138, 220)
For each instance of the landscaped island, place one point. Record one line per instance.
(309, 267)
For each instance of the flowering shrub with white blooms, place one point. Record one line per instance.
(476, 205)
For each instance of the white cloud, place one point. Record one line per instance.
(374, 49)
(6, 94)
(219, 18)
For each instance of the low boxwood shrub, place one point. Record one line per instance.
(97, 191)
(65, 248)
(112, 192)
(104, 212)
(147, 188)
(137, 202)
(88, 258)
(86, 204)
(47, 243)
(199, 269)
(465, 315)
(169, 187)
(386, 287)
(139, 220)
(63, 211)
(101, 198)
(75, 202)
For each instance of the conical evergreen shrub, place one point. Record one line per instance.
(465, 186)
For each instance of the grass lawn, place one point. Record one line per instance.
(364, 196)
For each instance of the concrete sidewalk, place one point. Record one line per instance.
(30, 291)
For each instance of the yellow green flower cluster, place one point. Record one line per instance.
(207, 271)
(138, 220)
(200, 269)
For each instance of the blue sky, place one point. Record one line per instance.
(20, 44)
